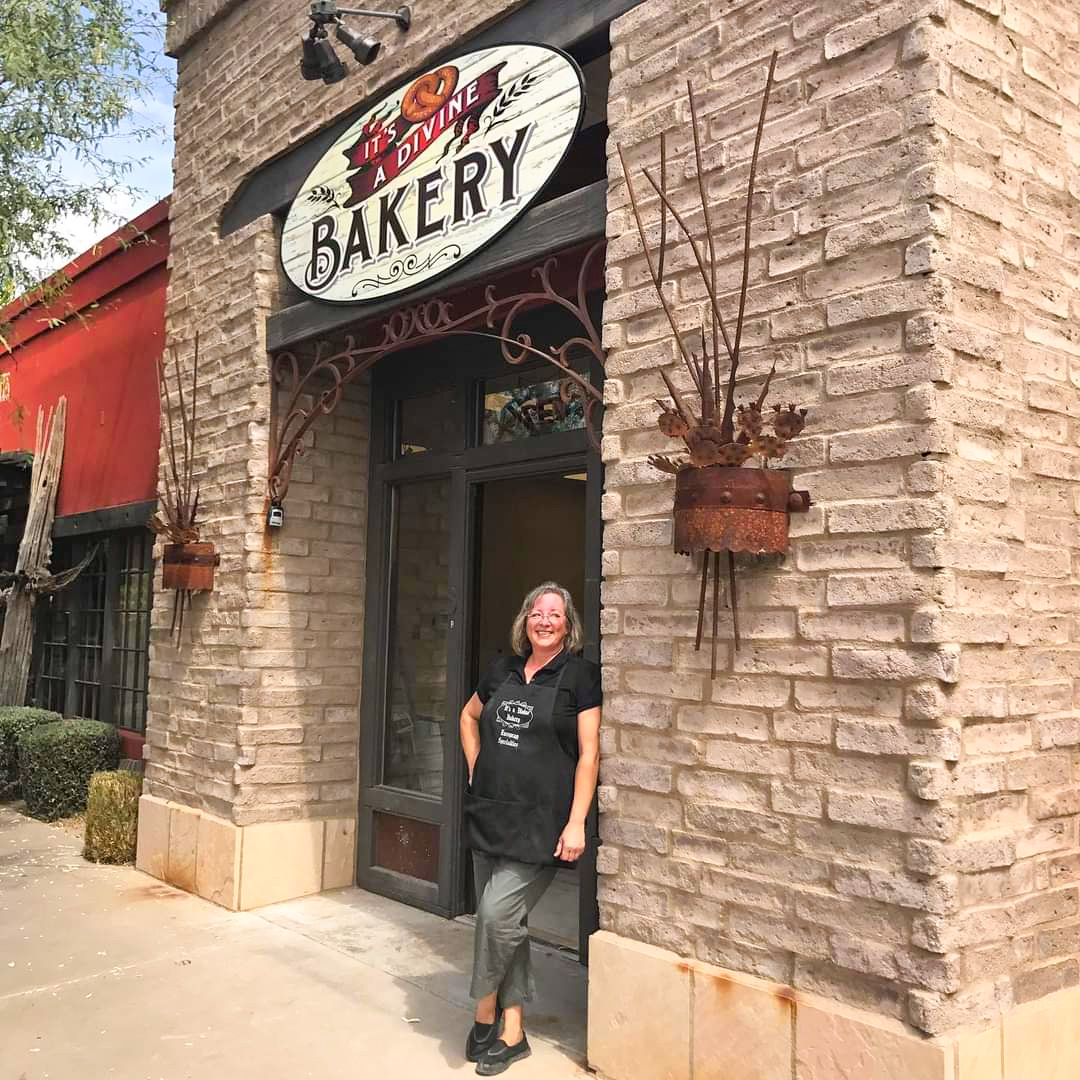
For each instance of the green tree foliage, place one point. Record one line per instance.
(71, 74)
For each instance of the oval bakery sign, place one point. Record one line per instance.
(431, 174)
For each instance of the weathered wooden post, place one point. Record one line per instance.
(35, 552)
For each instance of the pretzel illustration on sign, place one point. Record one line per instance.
(429, 94)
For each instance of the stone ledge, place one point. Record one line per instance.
(243, 867)
(654, 1014)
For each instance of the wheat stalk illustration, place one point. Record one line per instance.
(510, 95)
(323, 194)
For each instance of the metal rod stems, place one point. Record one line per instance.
(732, 597)
(715, 608)
(701, 600)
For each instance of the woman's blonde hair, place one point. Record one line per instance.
(574, 639)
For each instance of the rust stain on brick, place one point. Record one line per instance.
(724, 985)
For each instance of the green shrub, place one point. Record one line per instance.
(57, 760)
(112, 817)
(15, 721)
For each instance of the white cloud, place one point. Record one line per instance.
(149, 183)
(150, 177)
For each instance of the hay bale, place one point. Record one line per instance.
(112, 817)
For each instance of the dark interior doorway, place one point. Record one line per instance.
(530, 530)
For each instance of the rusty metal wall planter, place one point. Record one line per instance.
(189, 567)
(720, 508)
(727, 508)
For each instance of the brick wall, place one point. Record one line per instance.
(254, 717)
(189, 18)
(874, 799)
(1009, 130)
(301, 639)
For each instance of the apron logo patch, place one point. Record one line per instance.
(514, 714)
(513, 717)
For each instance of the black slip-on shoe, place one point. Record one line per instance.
(481, 1037)
(499, 1057)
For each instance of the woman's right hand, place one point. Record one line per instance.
(470, 733)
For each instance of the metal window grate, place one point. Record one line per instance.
(91, 654)
(49, 688)
(131, 630)
(86, 642)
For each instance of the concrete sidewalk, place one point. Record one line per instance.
(106, 973)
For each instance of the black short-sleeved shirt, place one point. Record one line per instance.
(579, 690)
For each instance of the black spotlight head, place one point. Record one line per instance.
(310, 65)
(335, 70)
(365, 49)
(320, 61)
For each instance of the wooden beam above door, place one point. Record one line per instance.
(544, 230)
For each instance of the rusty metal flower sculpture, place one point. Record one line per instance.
(187, 564)
(718, 505)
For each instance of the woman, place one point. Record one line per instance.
(531, 736)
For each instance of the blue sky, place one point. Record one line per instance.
(151, 173)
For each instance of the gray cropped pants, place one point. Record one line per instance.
(506, 891)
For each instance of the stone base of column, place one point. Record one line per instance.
(243, 867)
(655, 1014)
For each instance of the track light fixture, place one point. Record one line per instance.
(319, 60)
(365, 49)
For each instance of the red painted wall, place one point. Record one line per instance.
(103, 358)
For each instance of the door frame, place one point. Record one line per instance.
(466, 467)
(589, 463)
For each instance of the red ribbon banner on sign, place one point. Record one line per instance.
(383, 152)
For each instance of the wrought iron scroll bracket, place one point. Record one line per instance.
(307, 395)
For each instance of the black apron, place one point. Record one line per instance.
(523, 782)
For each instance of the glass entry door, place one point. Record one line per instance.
(464, 450)
(412, 691)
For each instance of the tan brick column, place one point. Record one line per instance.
(864, 831)
(253, 727)
(1008, 181)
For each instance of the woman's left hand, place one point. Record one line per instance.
(571, 843)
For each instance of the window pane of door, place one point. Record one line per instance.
(420, 613)
(429, 424)
(517, 406)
